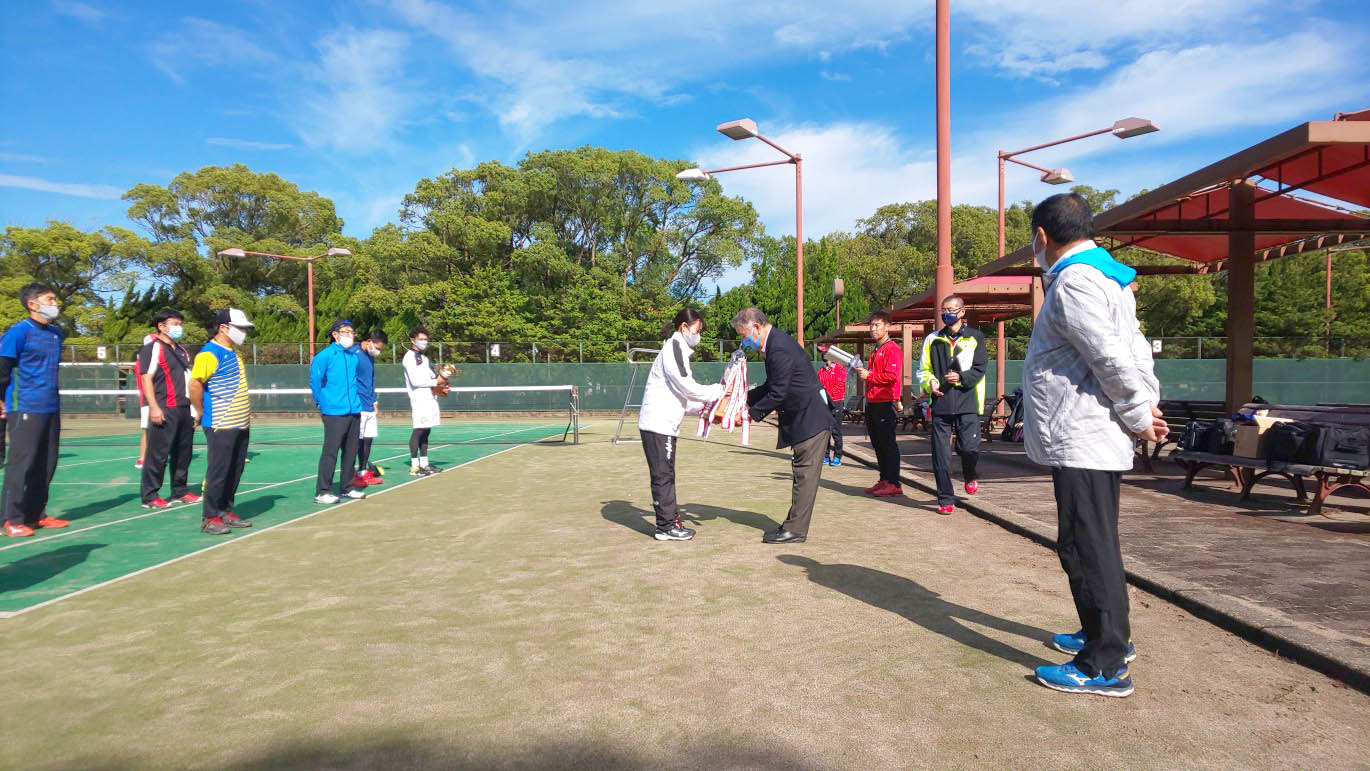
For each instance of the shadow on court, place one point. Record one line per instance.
(644, 521)
(254, 507)
(34, 570)
(922, 606)
(98, 507)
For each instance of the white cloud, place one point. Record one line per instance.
(359, 94)
(203, 43)
(834, 76)
(108, 192)
(22, 158)
(79, 11)
(247, 144)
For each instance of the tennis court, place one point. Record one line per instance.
(112, 537)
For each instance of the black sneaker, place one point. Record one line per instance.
(427, 471)
(433, 468)
(674, 533)
(213, 526)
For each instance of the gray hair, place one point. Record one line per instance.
(750, 315)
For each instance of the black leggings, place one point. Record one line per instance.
(364, 455)
(418, 442)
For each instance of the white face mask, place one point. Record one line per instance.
(49, 312)
(691, 338)
(346, 340)
(1039, 254)
(237, 335)
(175, 332)
(374, 352)
(419, 345)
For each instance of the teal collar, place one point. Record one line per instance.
(1099, 259)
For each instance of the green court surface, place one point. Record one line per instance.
(111, 536)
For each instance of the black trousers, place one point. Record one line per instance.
(171, 441)
(881, 422)
(967, 428)
(340, 432)
(29, 464)
(1087, 543)
(660, 450)
(835, 443)
(807, 466)
(226, 455)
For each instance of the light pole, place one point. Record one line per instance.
(309, 272)
(746, 129)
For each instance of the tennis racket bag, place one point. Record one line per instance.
(1294, 442)
(1344, 447)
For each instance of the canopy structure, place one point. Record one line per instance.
(856, 338)
(1296, 191)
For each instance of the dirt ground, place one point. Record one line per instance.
(515, 613)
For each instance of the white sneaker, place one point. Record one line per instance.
(326, 498)
(354, 494)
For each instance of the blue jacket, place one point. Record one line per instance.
(333, 379)
(366, 381)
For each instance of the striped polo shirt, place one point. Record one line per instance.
(225, 380)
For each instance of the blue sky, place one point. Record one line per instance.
(358, 99)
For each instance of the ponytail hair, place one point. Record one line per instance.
(685, 316)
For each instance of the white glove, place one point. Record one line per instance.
(717, 392)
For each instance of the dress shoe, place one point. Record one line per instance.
(780, 535)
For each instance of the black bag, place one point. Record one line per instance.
(1195, 435)
(1221, 437)
(1294, 442)
(1344, 447)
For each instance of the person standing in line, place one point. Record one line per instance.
(420, 379)
(952, 371)
(333, 381)
(1089, 390)
(368, 474)
(29, 354)
(671, 394)
(218, 393)
(884, 378)
(165, 368)
(793, 393)
(833, 376)
(143, 411)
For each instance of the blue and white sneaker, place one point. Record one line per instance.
(836, 460)
(1074, 643)
(827, 461)
(1068, 677)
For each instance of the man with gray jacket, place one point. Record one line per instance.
(1089, 391)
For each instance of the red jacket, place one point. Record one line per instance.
(833, 376)
(886, 380)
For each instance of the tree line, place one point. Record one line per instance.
(584, 244)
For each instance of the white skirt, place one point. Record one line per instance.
(369, 426)
(427, 413)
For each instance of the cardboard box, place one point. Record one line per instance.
(1251, 440)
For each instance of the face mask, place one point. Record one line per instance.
(175, 332)
(49, 312)
(691, 339)
(752, 340)
(1039, 254)
(345, 341)
(419, 345)
(374, 352)
(949, 318)
(237, 335)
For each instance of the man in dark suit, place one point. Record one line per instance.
(793, 392)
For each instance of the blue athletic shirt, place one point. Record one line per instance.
(366, 381)
(37, 349)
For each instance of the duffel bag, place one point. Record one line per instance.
(1294, 442)
(1220, 437)
(1195, 434)
(1344, 447)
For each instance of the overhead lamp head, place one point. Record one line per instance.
(839, 290)
(232, 252)
(1132, 127)
(339, 252)
(1058, 177)
(693, 175)
(738, 129)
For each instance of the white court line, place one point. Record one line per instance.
(239, 539)
(135, 457)
(28, 542)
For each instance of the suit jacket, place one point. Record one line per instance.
(791, 390)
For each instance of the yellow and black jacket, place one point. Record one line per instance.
(963, 352)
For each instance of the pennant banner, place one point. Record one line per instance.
(730, 411)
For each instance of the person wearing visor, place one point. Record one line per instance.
(29, 354)
(164, 374)
(952, 372)
(218, 392)
(333, 381)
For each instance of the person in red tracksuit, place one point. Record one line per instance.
(833, 376)
(884, 385)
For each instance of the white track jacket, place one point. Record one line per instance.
(672, 391)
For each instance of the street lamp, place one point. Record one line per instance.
(309, 271)
(746, 129)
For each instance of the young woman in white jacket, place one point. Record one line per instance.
(671, 394)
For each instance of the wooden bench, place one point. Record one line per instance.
(1249, 471)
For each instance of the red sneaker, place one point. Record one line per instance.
(156, 503)
(52, 522)
(372, 479)
(214, 526)
(233, 520)
(190, 498)
(359, 481)
(877, 487)
(18, 531)
(973, 487)
(889, 491)
(947, 508)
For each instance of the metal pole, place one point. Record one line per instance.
(799, 238)
(1201, 347)
(582, 351)
(1001, 203)
(487, 353)
(945, 276)
(999, 356)
(309, 269)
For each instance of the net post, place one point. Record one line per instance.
(575, 414)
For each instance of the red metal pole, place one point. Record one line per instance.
(310, 271)
(999, 356)
(799, 239)
(945, 276)
(1001, 203)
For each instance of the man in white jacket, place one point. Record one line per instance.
(1089, 389)
(671, 394)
